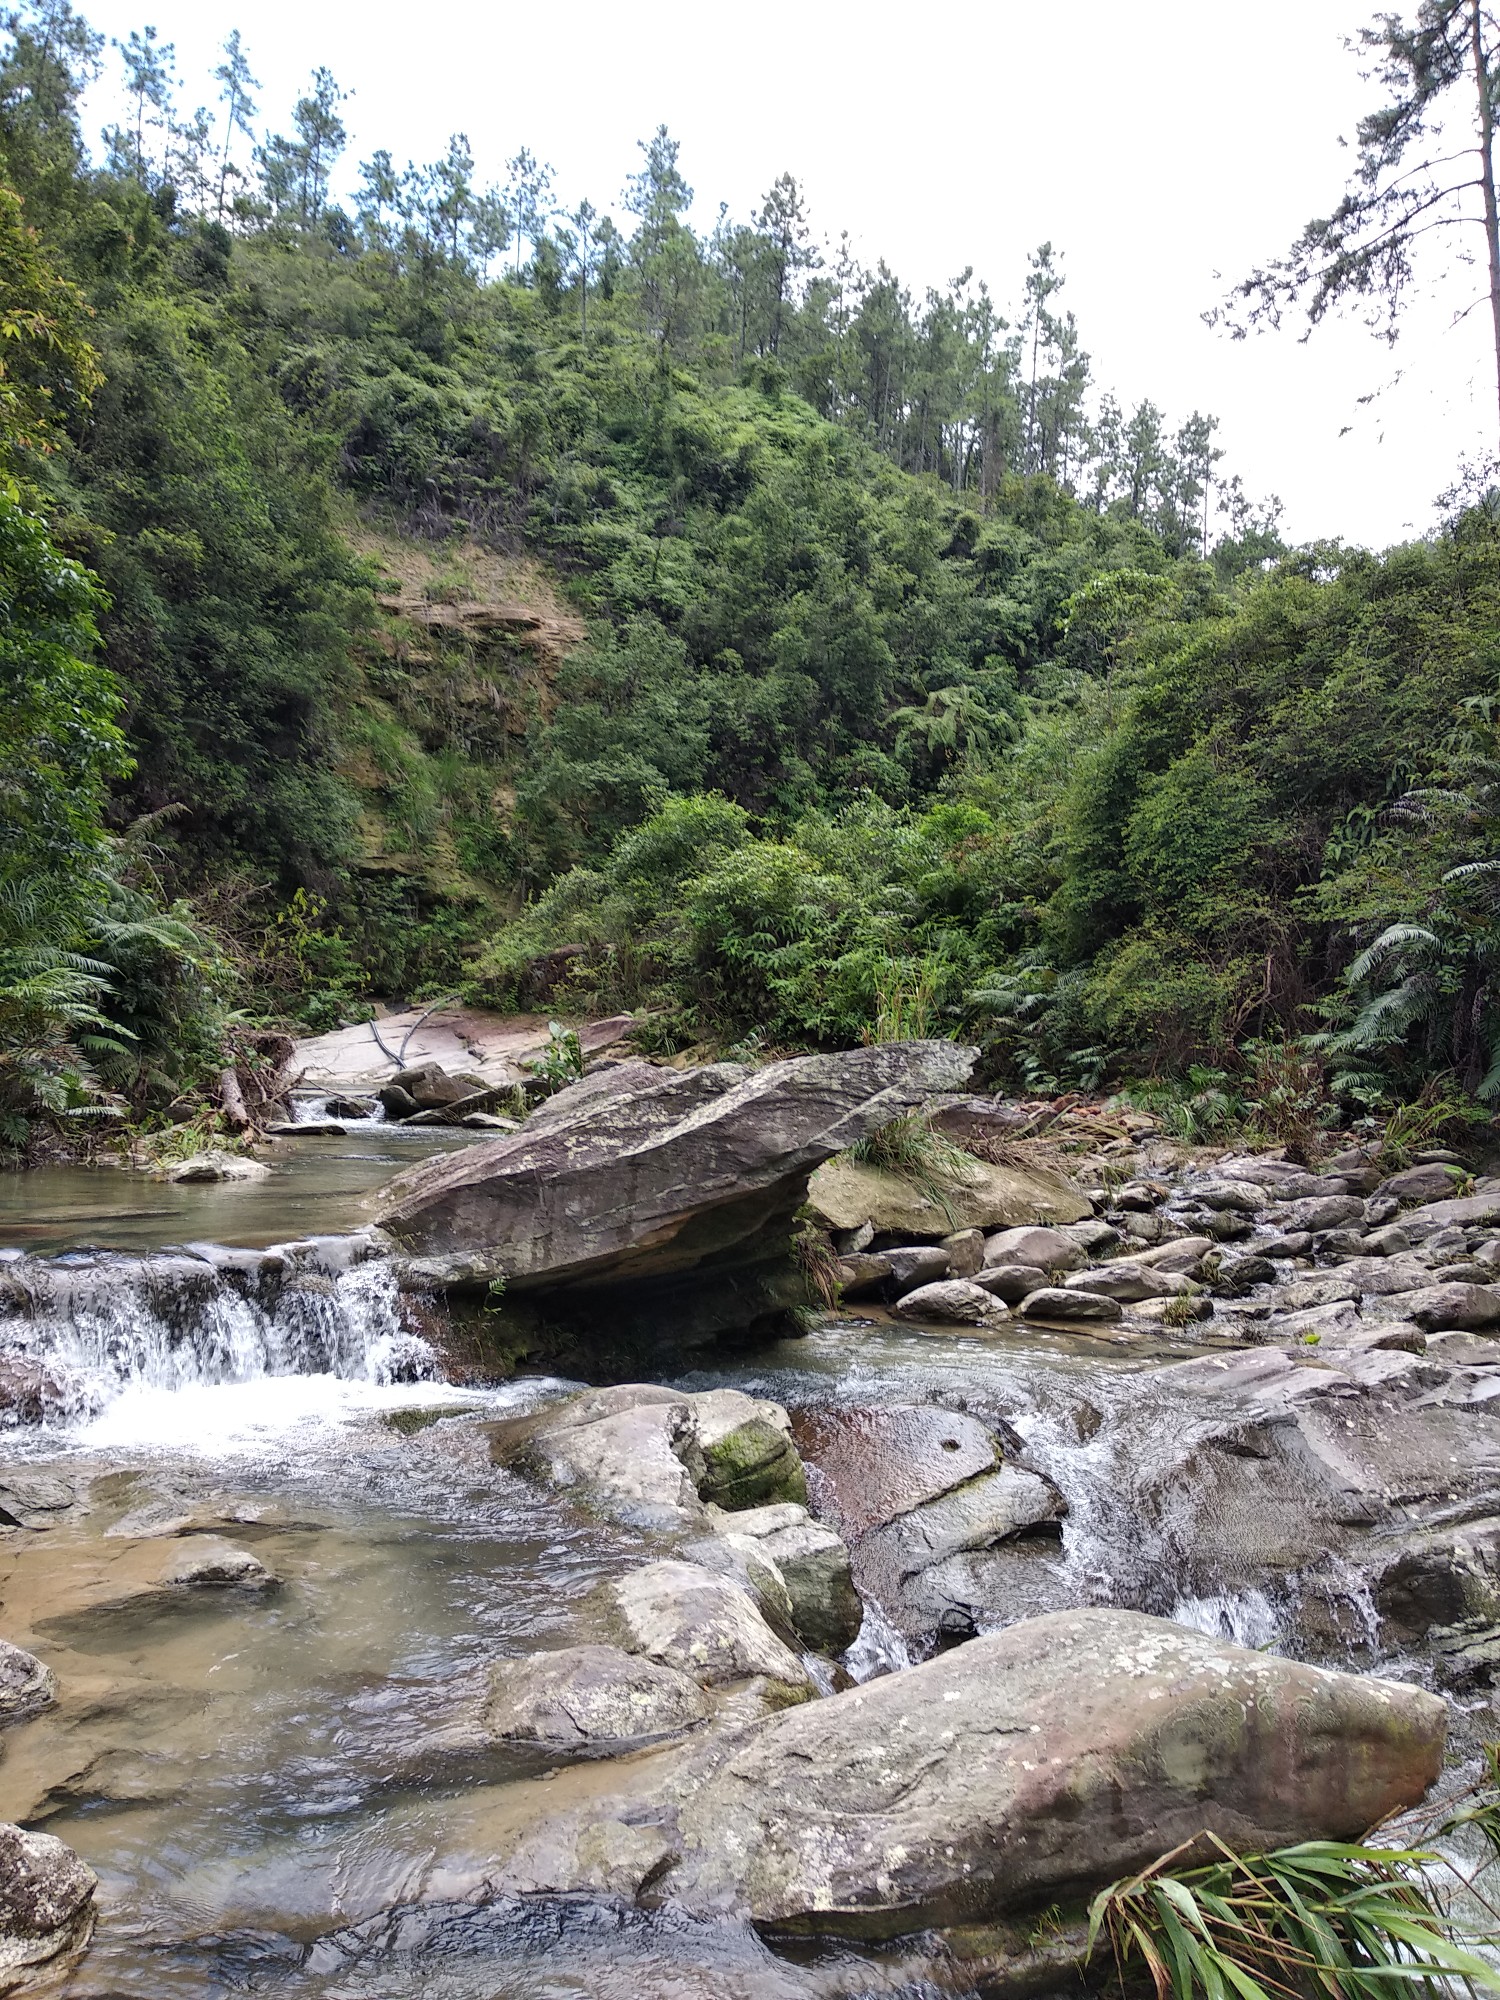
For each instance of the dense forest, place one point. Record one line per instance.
(407, 588)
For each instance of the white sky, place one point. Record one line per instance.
(1156, 144)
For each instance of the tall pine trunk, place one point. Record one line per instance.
(1483, 84)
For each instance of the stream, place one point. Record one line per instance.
(261, 1778)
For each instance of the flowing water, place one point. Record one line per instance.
(266, 1780)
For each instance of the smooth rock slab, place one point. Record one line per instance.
(590, 1698)
(1041, 1762)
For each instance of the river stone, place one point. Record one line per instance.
(1011, 1282)
(1183, 1255)
(26, 1685)
(1052, 1302)
(1329, 1211)
(1470, 1211)
(823, 1606)
(216, 1166)
(640, 1173)
(861, 1272)
(876, 1463)
(590, 1698)
(1456, 1307)
(1128, 1283)
(205, 1563)
(1036, 1765)
(1421, 1184)
(46, 1900)
(1243, 1197)
(1390, 1240)
(621, 1450)
(965, 1248)
(1093, 1235)
(705, 1626)
(916, 1264)
(956, 1301)
(1048, 1249)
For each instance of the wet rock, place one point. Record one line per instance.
(965, 1252)
(640, 1177)
(956, 1302)
(1226, 1225)
(1296, 1243)
(1338, 1245)
(1054, 1303)
(215, 1166)
(704, 1626)
(862, 1272)
(916, 1264)
(652, 1457)
(1335, 1211)
(1036, 1764)
(1454, 1307)
(205, 1564)
(748, 1456)
(28, 1390)
(307, 1128)
(874, 1464)
(1381, 1209)
(431, 1088)
(590, 1698)
(398, 1103)
(1243, 1197)
(1011, 1282)
(26, 1685)
(823, 1606)
(1421, 1184)
(973, 1516)
(351, 1107)
(1150, 1228)
(1047, 1249)
(1233, 1277)
(46, 1902)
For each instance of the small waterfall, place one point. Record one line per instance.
(78, 1330)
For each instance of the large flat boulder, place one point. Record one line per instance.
(640, 1173)
(1040, 1763)
(1025, 1768)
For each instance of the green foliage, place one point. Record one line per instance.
(878, 682)
(1324, 1917)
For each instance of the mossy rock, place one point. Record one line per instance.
(752, 1465)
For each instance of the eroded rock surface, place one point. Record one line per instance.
(1036, 1764)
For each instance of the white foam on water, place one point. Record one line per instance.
(218, 1417)
(1244, 1617)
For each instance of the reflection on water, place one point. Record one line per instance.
(315, 1184)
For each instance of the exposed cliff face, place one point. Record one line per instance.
(459, 665)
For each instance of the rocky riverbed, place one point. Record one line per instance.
(818, 1665)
